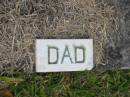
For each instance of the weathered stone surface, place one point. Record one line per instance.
(117, 49)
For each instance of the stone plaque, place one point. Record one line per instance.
(56, 55)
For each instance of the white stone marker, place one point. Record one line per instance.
(57, 55)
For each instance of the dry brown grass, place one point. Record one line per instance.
(23, 21)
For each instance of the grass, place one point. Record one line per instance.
(74, 84)
(24, 21)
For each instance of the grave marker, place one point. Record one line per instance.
(56, 55)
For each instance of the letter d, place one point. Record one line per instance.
(57, 55)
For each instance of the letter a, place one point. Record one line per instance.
(66, 54)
